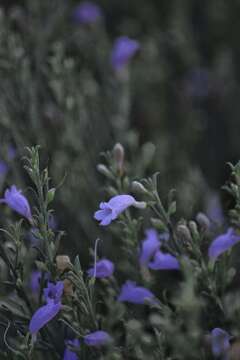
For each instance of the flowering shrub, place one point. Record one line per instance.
(166, 296)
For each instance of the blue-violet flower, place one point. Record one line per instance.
(132, 293)
(222, 243)
(149, 246)
(87, 13)
(114, 207)
(17, 202)
(104, 268)
(163, 261)
(220, 342)
(123, 50)
(97, 338)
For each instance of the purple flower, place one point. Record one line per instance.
(123, 50)
(47, 312)
(220, 342)
(114, 207)
(3, 168)
(222, 243)
(104, 268)
(149, 246)
(135, 294)
(68, 354)
(163, 261)
(214, 208)
(97, 338)
(53, 292)
(43, 315)
(17, 202)
(87, 13)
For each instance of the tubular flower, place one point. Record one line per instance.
(97, 338)
(110, 210)
(220, 342)
(223, 243)
(123, 50)
(104, 268)
(17, 202)
(149, 246)
(47, 312)
(163, 261)
(87, 13)
(132, 293)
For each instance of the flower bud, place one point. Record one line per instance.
(139, 188)
(118, 154)
(203, 221)
(104, 170)
(194, 230)
(140, 204)
(63, 263)
(183, 231)
(68, 287)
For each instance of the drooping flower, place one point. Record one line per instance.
(163, 261)
(69, 354)
(104, 268)
(87, 13)
(114, 207)
(123, 50)
(220, 342)
(149, 246)
(47, 312)
(97, 338)
(43, 315)
(17, 202)
(223, 243)
(132, 293)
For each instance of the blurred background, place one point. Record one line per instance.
(174, 106)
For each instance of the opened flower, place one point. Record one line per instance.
(132, 293)
(97, 338)
(223, 243)
(123, 50)
(47, 312)
(69, 354)
(104, 268)
(149, 246)
(17, 202)
(220, 342)
(87, 13)
(163, 261)
(114, 207)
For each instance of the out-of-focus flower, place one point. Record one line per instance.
(69, 354)
(53, 291)
(3, 168)
(87, 13)
(11, 152)
(46, 313)
(220, 343)
(97, 338)
(35, 281)
(52, 222)
(163, 261)
(198, 83)
(222, 243)
(114, 207)
(132, 293)
(123, 50)
(104, 268)
(214, 209)
(17, 202)
(149, 246)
